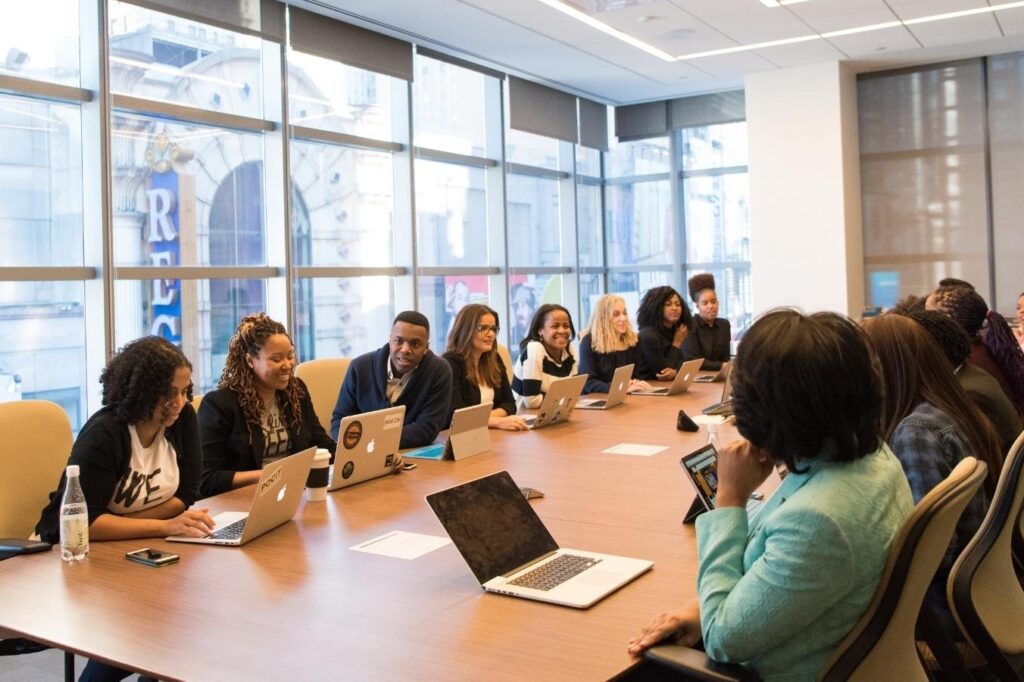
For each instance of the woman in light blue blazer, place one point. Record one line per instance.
(779, 591)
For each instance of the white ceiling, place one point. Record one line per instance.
(530, 39)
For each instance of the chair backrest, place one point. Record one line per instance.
(34, 449)
(507, 359)
(196, 401)
(881, 645)
(323, 378)
(984, 594)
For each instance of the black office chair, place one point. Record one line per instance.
(882, 644)
(984, 592)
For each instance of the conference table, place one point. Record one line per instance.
(299, 604)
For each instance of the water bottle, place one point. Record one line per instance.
(713, 436)
(74, 519)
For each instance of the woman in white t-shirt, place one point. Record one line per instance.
(139, 456)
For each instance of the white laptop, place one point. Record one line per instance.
(558, 403)
(701, 469)
(723, 407)
(720, 375)
(684, 377)
(618, 388)
(275, 502)
(367, 446)
(511, 552)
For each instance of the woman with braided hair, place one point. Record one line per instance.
(993, 345)
(260, 413)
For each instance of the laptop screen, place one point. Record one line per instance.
(492, 525)
(702, 468)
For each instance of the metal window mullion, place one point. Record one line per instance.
(54, 92)
(321, 271)
(535, 171)
(286, 182)
(678, 209)
(712, 172)
(147, 272)
(186, 114)
(637, 179)
(990, 222)
(306, 134)
(48, 274)
(445, 271)
(453, 158)
(413, 218)
(543, 270)
(639, 268)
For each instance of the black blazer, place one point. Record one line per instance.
(465, 393)
(657, 352)
(229, 445)
(710, 343)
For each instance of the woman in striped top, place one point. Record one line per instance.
(544, 355)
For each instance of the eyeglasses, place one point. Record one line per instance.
(484, 328)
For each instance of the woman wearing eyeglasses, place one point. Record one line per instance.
(478, 373)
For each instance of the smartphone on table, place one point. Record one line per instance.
(151, 557)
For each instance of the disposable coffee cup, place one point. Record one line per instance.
(316, 484)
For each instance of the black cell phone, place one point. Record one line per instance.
(684, 423)
(151, 557)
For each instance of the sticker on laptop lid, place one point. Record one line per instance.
(353, 434)
(392, 421)
(271, 481)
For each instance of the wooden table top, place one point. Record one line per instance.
(297, 603)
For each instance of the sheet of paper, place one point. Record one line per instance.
(705, 419)
(635, 449)
(401, 545)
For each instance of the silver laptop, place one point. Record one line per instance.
(701, 469)
(558, 403)
(720, 375)
(468, 435)
(275, 502)
(616, 393)
(367, 446)
(511, 552)
(684, 377)
(723, 407)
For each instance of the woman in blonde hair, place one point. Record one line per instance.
(260, 413)
(478, 373)
(609, 342)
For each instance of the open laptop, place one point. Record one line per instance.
(723, 407)
(720, 375)
(684, 377)
(558, 403)
(275, 502)
(701, 469)
(367, 446)
(511, 552)
(616, 393)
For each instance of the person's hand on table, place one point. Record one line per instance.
(669, 628)
(512, 422)
(638, 385)
(194, 523)
(742, 468)
(667, 374)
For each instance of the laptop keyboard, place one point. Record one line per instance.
(555, 572)
(230, 532)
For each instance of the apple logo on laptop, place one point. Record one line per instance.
(370, 446)
(621, 384)
(561, 401)
(686, 377)
(281, 492)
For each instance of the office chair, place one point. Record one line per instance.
(881, 644)
(323, 378)
(33, 451)
(984, 593)
(507, 359)
(197, 400)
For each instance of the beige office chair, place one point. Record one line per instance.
(323, 378)
(197, 400)
(984, 593)
(881, 645)
(507, 359)
(34, 449)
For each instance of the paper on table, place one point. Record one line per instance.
(401, 545)
(709, 419)
(635, 449)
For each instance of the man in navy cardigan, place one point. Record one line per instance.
(404, 372)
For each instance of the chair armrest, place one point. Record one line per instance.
(696, 664)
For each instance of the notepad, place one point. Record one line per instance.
(401, 545)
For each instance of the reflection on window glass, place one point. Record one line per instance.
(642, 157)
(342, 206)
(527, 293)
(588, 161)
(200, 316)
(639, 223)
(732, 288)
(344, 99)
(717, 218)
(533, 224)
(715, 146)
(342, 316)
(632, 286)
(589, 230)
(591, 289)
(441, 299)
(530, 149)
(41, 192)
(449, 107)
(162, 57)
(451, 214)
(186, 194)
(42, 345)
(39, 40)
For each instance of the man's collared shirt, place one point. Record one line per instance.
(396, 384)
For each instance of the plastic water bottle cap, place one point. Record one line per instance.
(72, 470)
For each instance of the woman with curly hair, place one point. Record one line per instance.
(710, 336)
(664, 321)
(544, 355)
(608, 343)
(260, 413)
(993, 345)
(138, 457)
(478, 373)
